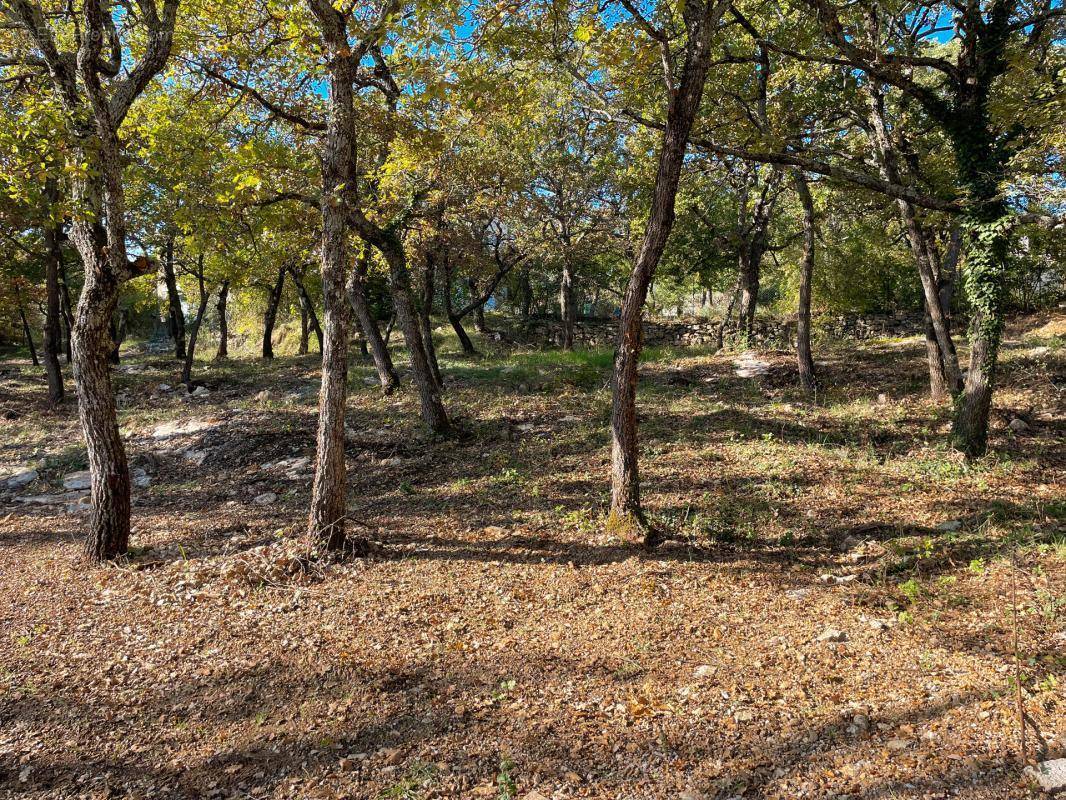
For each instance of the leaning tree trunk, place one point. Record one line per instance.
(270, 316)
(453, 318)
(176, 317)
(190, 350)
(433, 413)
(804, 359)
(626, 511)
(567, 307)
(944, 374)
(52, 336)
(387, 375)
(223, 326)
(26, 330)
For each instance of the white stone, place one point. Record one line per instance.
(950, 526)
(194, 456)
(265, 499)
(179, 428)
(1049, 775)
(832, 635)
(201, 391)
(140, 478)
(21, 478)
(749, 366)
(77, 480)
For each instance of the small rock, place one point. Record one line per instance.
(797, 594)
(140, 478)
(194, 456)
(201, 391)
(832, 635)
(897, 745)
(533, 794)
(1049, 775)
(1018, 425)
(950, 526)
(21, 478)
(77, 480)
(265, 499)
(704, 671)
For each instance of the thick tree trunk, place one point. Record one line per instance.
(92, 344)
(567, 307)
(270, 316)
(223, 325)
(190, 350)
(804, 358)
(387, 375)
(626, 511)
(52, 336)
(176, 317)
(986, 268)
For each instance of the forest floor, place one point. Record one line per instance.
(840, 621)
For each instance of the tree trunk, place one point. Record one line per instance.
(567, 307)
(176, 317)
(749, 294)
(453, 318)
(190, 350)
(526, 288)
(626, 511)
(109, 520)
(26, 330)
(223, 326)
(329, 493)
(66, 307)
(433, 413)
(479, 310)
(305, 330)
(944, 375)
(52, 337)
(368, 325)
(804, 359)
(271, 314)
(308, 317)
(118, 335)
(425, 322)
(986, 274)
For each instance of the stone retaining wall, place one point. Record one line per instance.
(543, 331)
